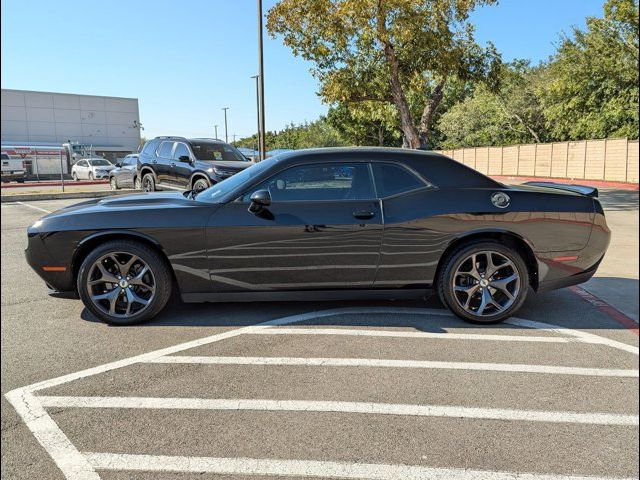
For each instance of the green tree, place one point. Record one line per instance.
(366, 123)
(590, 87)
(386, 51)
(305, 135)
(511, 114)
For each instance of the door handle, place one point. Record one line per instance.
(173, 164)
(364, 214)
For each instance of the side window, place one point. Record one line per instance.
(164, 150)
(150, 147)
(82, 163)
(130, 161)
(181, 151)
(393, 179)
(329, 181)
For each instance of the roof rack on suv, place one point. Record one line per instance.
(171, 137)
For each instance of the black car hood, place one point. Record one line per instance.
(136, 200)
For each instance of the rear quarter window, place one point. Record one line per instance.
(391, 179)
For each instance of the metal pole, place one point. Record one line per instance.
(61, 172)
(258, 112)
(261, 130)
(226, 135)
(216, 128)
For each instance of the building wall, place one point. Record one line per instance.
(614, 159)
(55, 118)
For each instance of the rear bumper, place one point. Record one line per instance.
(570, 280)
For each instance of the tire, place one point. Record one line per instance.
(481, 293)
(113, 183)
(148, 183)
(90, 176)
(74, 175)
(136, 183)
(153, 286)
(200, 184)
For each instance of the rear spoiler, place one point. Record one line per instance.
(581, 189)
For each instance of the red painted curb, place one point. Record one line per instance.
(573, 181)
(607, 309)
(55, 184)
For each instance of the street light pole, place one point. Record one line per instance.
(216, 129)
(226, 135)
(258, 113)
(261, 131)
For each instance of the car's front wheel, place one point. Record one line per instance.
(74, 175)
(148, 183)
(90, 175)
(113, 183)
(124, 282)
(483, 282)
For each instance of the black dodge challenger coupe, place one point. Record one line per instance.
(326, 224)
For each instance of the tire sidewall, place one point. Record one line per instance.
(445, 282)
(148, 179)
(137, 184)
(113, 183)
(161, 273)
(201, 181)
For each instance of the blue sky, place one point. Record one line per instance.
(186, 60)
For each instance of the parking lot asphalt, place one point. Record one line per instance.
(384, 390)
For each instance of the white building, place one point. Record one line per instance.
(109, 125)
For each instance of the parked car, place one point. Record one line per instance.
(177, 163)
(12, 169)
(91, 169)
(377, 222)
(125, 175)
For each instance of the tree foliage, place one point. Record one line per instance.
(305, 135)
(589, 89)
(385, 50)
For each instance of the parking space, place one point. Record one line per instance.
(380, 390)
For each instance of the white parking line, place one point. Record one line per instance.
(78, 466)
(408, 334)
(304, 468)
(374, 362)
(339, 407)
(34, 207)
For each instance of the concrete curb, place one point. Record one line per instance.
(69, 183)
(62, 196)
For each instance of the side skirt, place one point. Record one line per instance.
(307, 295)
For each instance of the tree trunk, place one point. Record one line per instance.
(409, 130)
(427, 114)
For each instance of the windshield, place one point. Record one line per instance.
(100, 163)
(209, 151)
(220, 190)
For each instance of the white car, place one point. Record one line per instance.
(91, 169)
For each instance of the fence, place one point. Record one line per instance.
(610, 159)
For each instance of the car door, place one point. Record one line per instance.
(162, 163)
(82, 169)
(125, 173)
(322, 230)
(181, 169)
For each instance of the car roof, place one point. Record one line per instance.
(439, 169)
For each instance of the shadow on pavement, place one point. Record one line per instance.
(561, 307)
(619, 200)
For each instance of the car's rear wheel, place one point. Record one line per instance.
(123, 282)
(201, 184)
(483, 282)
(136, 184)
(148, 183)
(113, 183)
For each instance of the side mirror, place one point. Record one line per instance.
(119, 164)
(185, 159)
(259, 200)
